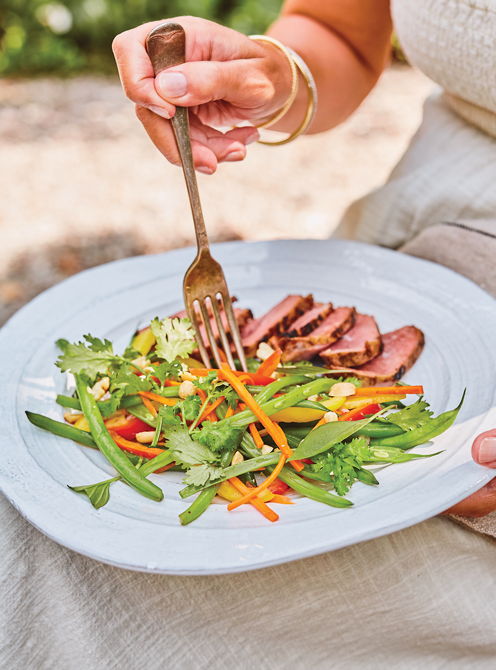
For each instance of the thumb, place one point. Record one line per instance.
(239, 82)
(484, 449)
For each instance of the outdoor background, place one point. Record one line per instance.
(81, 184)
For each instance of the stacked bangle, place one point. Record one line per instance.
(297, 64)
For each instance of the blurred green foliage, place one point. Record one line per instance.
(69, 36)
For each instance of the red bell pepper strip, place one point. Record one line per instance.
(254, 377)
(360, 412)
(128, 427)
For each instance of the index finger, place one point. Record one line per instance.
(136, 71)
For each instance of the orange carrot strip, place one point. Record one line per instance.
(257, 438)
(158, 398)
(273, 429)
(210, 408)
(229, 412)
(202, 394)
(282, 500)
(270, 364)
(135, 447)
(253, 493)
(387, 390)
(297, 465)
(149, 406)
(257, 503)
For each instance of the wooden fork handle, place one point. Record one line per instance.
(166, 47)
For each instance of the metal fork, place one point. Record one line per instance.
(204, 286)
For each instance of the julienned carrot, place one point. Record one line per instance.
(273, 429)
(270, 364)
(282, 500)
(135, 447)
(210, 408)
(253, 377)
(253, 493)
(230, 412)
(387, 390)
(158, 398)
(257, 503)
(257, 438)
(149, 406)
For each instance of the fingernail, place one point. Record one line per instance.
(234, 156)
(487, 450)
(171, 84)
(160, 111)
(205, 169)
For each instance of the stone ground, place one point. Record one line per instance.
(81, 184)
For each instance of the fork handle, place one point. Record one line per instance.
(166, 47)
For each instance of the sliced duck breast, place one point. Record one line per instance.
(309, 320)
(275, 321)
(400, 350)
(358, 346)
(334, 326)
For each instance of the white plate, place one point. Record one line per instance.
(458, 319)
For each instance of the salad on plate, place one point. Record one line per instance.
(285, 428)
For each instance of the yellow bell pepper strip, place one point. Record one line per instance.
(82, 424)
(256, 502)
(253, 493)
(307, 414)
(143, 341)
(230, 493)
(387, 390)
(158, 398)
(270, 364)
(352, 402)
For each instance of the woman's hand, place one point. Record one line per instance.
(484, 501)
(227, 78)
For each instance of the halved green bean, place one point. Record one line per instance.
(109, 449)
(271, 389)
(62, 429)
(312, 491)
(379, 430)
(199, 505)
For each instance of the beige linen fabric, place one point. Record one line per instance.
(421, 598)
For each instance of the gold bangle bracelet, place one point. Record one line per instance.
(312, 101)
(294, 79)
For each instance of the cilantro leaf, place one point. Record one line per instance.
(219, 437)
(187, 451)
(93, 357)
(168, 370)
(190, 407)
(412, 416)
(175, 338)
(169, 415)
(199, 475)
(128, 382)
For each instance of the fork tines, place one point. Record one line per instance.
(224, 327)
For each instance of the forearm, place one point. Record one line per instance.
(344, 72)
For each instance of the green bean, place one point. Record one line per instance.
(312, 491)
(68, 401)
(109, 449)
(431, 429)
(271, 389)
(289, 399)
(366, 477)
(127, 401)
(62, 429)
(379, 429)
(199, 505)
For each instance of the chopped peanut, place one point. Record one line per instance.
(100, 388)
(330, 416)
(71, 417)
(266, 449)
(237, 458)
(186, 389)
(145, 437)
(264, 351)
(342, 389)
